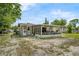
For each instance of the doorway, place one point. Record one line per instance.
(43, 29)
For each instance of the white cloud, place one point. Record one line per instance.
(63, 14)
(35, 20)
(27, 6)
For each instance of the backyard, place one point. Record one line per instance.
(33, 46)
(34, 32)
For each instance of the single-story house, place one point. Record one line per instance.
(40, 29)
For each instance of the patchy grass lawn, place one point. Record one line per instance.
(50, 47)
(71, 35)
(4, 39)
(29, 46)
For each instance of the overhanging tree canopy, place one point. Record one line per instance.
(9, 13)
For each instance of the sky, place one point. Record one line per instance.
(36, 12)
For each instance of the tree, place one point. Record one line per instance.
(9, 13)
(62, 22)
(59, 22)
(55, 22)
(77, 28)
(74, 22)
(14, 28)
(46, 21)
(69, 28)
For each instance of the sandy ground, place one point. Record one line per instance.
(40, 47)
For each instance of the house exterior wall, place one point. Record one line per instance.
(25, 29)
(63, 29)
(37, 29)
(49, 29)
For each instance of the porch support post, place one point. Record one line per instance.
(41, 30)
